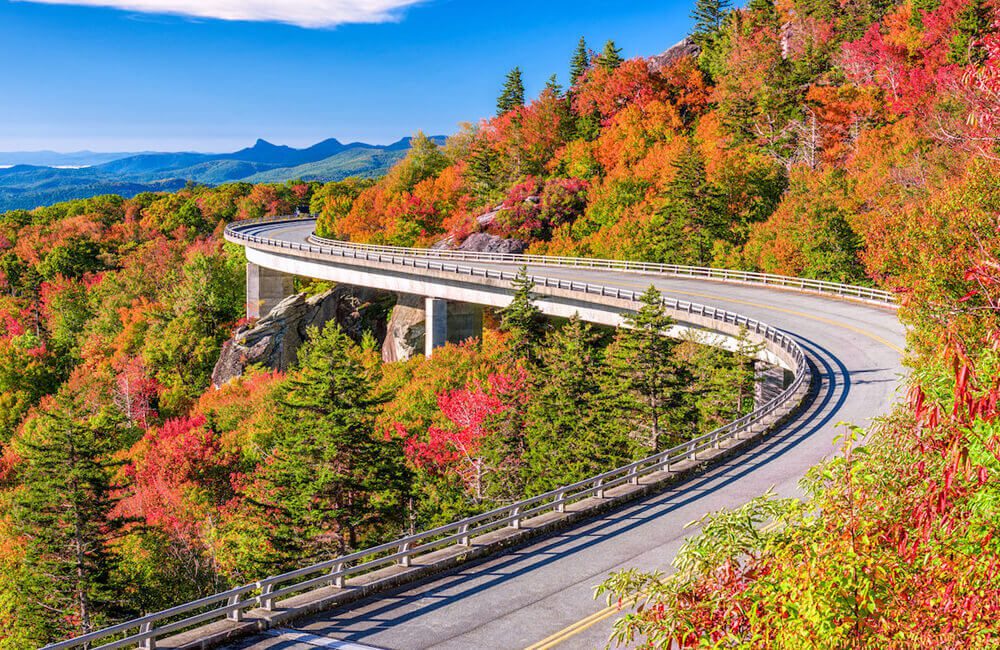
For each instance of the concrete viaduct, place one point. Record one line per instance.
(522, 576)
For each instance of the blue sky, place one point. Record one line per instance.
(76, 76)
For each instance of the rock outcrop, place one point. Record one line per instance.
(687, 47)
(482, 242)
(405, 335)
(274, 340)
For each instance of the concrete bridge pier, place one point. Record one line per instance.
(450, 322)
(265, 289)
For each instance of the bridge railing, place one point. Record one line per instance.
(265, 594)
(851, 291)
(858, 292)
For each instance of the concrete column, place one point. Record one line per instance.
(436, 325)
(265, 289)
(465, 321)
(770, 381)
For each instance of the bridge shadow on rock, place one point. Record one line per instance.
(378, 614)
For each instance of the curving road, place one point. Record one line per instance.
(541, 595)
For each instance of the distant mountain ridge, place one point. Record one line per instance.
(25, 186)
(56, 159)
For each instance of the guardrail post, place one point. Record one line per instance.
(236, 613)
(633, 476)
(265, 596)
(338, 575)
(464, 531)
(405, 560)
(600, 489)
(149, 643)
(561, 502)
(515, 523)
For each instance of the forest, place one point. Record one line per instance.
(850, 141)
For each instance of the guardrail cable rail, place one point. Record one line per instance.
(266, 593)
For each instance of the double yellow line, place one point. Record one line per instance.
(574, 629)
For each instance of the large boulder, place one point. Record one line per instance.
(406, 331)
(274, 341)
(482, 242)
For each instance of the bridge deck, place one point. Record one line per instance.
(545, 590)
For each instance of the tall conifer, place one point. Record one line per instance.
(332, 481)
(644, 371)
(569, 436)
(611, 57)
(580, 62)
(513, 93)
(523, 320)
(63, 514)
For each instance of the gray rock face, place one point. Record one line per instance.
(274, 340)
(407, 328)
(482, 242)
(687, 47)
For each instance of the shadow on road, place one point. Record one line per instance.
(388, 610)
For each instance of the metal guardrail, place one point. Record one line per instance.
(265, 594)
(867, 294)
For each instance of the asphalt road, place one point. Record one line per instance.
(542, 595)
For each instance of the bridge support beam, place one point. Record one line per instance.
(265, 289)
(770, 381)
(450, 322)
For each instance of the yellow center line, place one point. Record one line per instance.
(574, 629)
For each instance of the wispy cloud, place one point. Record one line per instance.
(305, 13)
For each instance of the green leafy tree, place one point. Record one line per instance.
(644, 372)
(611, 57)
(972, 22)
(523, 321)
(568, 436)
(332, 482)
(512, 95)
(424, 160)
(722, 383)
(63, 512)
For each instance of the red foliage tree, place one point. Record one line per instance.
(471, 412)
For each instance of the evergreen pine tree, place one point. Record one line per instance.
(63, 514)
(580, 62)
(513, 93)
(692, 218)
(523, 320)
(333, 482)
(722, 383)
(611, 57)
(708, 16)
(484, 171)
(552, 86)
(644, 372)
(568, 434)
